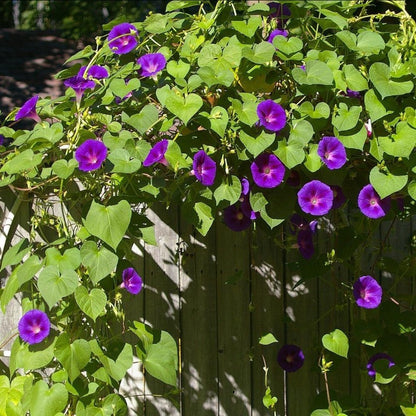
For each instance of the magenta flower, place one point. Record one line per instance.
(245, 200)
(367, 292)
(157, 154)
(277, 32)
(90, 155)
(315, 198)
(370, 203)
(272, 116)
(235, 218)
(79, 84)
(151, 64)
(332, 152)
(290, 358)
(279, 12)
(34, 326)
(132, 282)
(267, 170)
(28, 110)
(369, 127)
(95, 71)
(122, 38)
(339, 197)
(204, 168)
(378, 356)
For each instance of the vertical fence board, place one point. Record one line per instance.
(267, 317)
(233, 292)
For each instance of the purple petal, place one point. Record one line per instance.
(157, 153)
(28, 110)
(34, 326)
(290, 357)
(271, 115)
(151, 64)
(122, 38)
(95, 71)
(367, 292)
(339, 197)
(305, 243)
(279, 12)
(315, 198)
(267, 170)
(90, 155)
(235, 218)
(332, 152)
(204, 168)
(370, 203)
(132, 282)
(378, 356)
(277, 32)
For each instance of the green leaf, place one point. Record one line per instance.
(401, 143)
(290, 154)
(380, 77)
(385, 183)
(178, 69)
(11, 395)
(144, 120)
(346, 118)
(123, 162)
(246, 112)
(315, 73)
(21, 162)
(249, 27)
(99, 261)
(205, 217)
(259, 53)
(348, 38)
(408, 411)
(369, 42)
(183, 107)
(301, 132)
(321, 110)
(109, 223)
(256, 145)
(229, 190)
(313, 162)
(161, 360)
(71, 258)
(54, 285)
(374, 106)
(120, 89)
(45, 401)
(15, 253)
(336, 342)
(218, 119)
(257, 201)
(411, 189)
(181, 4)
(268, 339)
(355, 140)
(93, 303)
(73, 356)
(354, 78)
(64, 168)
(287, 46)
(175, 158)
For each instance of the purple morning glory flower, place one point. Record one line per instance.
(353, 94)
(369, 127)
(28, 110)
(79, 85)
(272, 115)
(303, 67)
(34, 326)
(279, 12)
(378, 356)
(315, 198)
(151, 64)
(290, 358)
(370, 203)
(305, 242)
(235, 218)
(90, 155)
(132, 282)
(293, 178)
(95, 71)
(122, 38)
(157, 154)
(367, 292)
(332, 152)
(245, 200)
(267, 170)
(245, 186)
(339, 197)
(204, 168)
(277, 32)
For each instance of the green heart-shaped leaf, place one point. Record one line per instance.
(178, 69)
(142, 121)
(249, 27)
(71, 258)
(291, 154)
(120, 89)
(229, 190)
(109, 223)
(93, 303)
(64, 168)
(45, 401)
(218, 119)
(336, 342)
(385, 183)
(315, 73)
(183, 107)
(256, 145)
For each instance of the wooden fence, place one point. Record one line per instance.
(217, 295)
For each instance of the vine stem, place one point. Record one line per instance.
(328, 397)
(5, 342)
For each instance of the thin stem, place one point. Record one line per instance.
(285, 392)
(8, 339)
(328, 397)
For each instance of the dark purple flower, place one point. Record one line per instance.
(151, 64)
(290, 358)
(367, 292)
(157, 154)
(95, 71)
(204, 168)
(122, 38)
(34, 326)
(293, 178)
(235, 218)
(277, 32)
(267, 170)
(305, 243)
(245, 186)
(353, 94)
(2, 140)
(370, 203)
(279, 12)
(339, 197)
(28, 110)
(132, 282)
(332, 152)
(79, 85)
(303, 67)
(296, 223)
(90, 155)
(315, 198)
(272, 116)
(378, 356)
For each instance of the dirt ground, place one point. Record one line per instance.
(28, 61)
